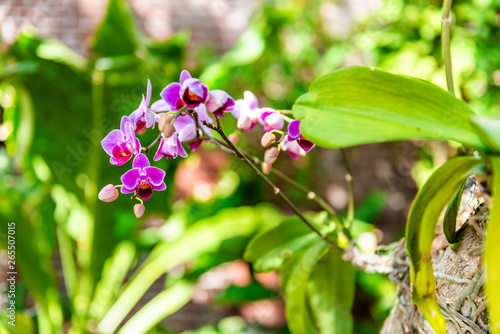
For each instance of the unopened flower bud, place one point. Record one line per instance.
(266, 168)
(108, 193)
(271, 154)
(139, 210)
(166, 126)
(267, 139)
(233, 138)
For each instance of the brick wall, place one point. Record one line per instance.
(218, 22)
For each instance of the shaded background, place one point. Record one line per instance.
(71, 69)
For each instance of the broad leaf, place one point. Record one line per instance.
(205, 236)
(295, 276)
(488, 130)
(331, 290)
(450, 216)
(491, 250)
(361, 105)
(269, 249)
(420, 232)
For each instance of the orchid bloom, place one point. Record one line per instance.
(271, 119)
(246, 111)
(292, 147)
(170, 148)
(143, 179)
(188, 92)
(294, 134)
(121, 144)
(219, 102)
(186, 127)
(144, 117)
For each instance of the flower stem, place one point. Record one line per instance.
(445, 44)
(350, 188)
(146, 149)
(277, 191)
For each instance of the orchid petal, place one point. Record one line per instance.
(162, 186)
(171, 94)
(131, 178)
(251, 99)
(160, 105)
(155, 175)
(148, 94)
(184, 75)
(294, 129)
(140, 161)
(111, 140)
(159, 152)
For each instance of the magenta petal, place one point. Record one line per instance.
(251, 99)
(126, 190)
(229, 103)
(111, 140)
(180, 149)
(137, 146)
(194, 145)
(155, 175)
(148, 94)
(140, 161)
(294, 129)
(171, 93)
(184, 75)
(131, 178)
(159, 152)
(160, 105)
(162, 186)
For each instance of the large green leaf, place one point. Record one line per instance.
(491, 250)
(205, 236)
(331, 290)
(420, 232)
(295, 276)
(450, 216)
(360, 105)
(269, 249)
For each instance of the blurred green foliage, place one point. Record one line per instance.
(57, 106)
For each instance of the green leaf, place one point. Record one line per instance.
(115, 36)
(361, 105)
(269, 249)
(295, 276)
(488, 130)
(162, 305)
(491, 250)
(420, 232)
(205, 236)
(331, 290)
(450, 216)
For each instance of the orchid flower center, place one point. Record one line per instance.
(144, 190)
(121, 150)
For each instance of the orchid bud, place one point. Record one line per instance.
(266, 168)
(139, 210)
(271, 154)
(267, 139)
(165, 125)
(233, 138)
(108, 193)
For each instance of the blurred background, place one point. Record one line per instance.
(71, 68)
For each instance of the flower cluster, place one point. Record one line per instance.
(185, 114)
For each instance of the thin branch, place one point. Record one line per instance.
(276, 190)
(146, 149)
(445, 44)
(350, 188)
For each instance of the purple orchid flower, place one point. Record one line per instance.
(143, 117)
(219, 102)
(295, 134)
(188, 92)
(271, 119)
(247, 111)
(143, 179)
(186, 127)
(293, 148)
(121, 144)
(170, 148)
